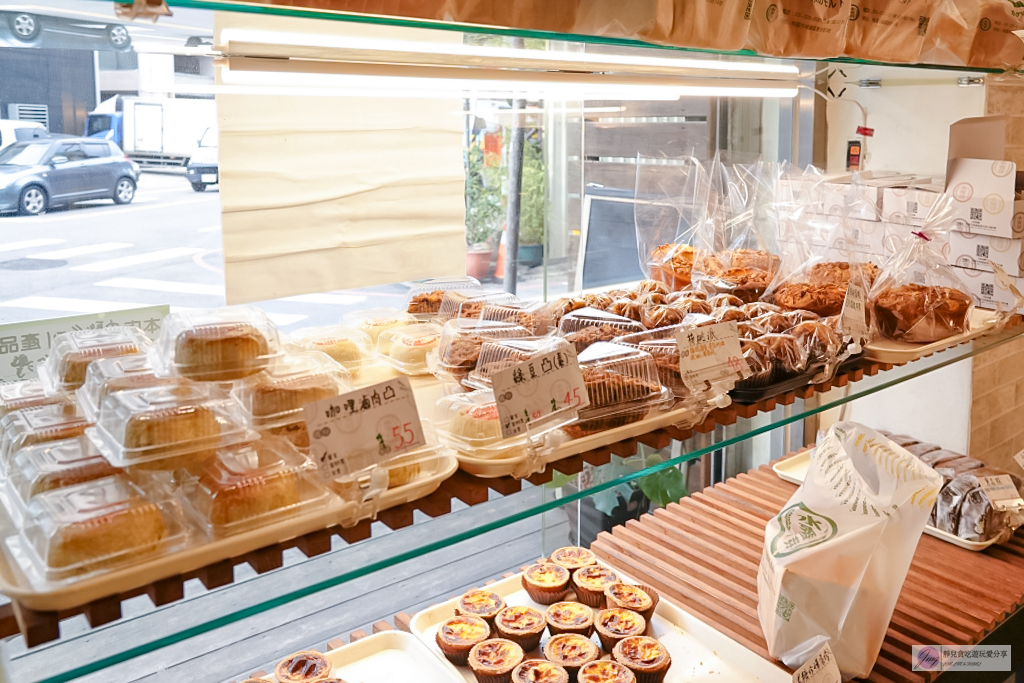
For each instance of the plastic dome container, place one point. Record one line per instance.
(107, 375)
(496, 356)
(348, 346)
(539, 317)
(373, 321)
(587, 326)
(71, 353)
(278, 395)
(54, 465)
(469, 304)
(406, 348)
(40, 424)
(424, 299)
(28, 393)
(462, 339)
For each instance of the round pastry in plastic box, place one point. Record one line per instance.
(470, 424)
(216, 345)
(72, 352)
(469, 304)
(348, 346)
(108, 375)
(539, 317)
(373, 321)
(424, 299)
(406, 348)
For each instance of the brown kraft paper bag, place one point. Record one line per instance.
(799, 28)
(975, 33)
(536, 15)
(705, 24)
(888, 30)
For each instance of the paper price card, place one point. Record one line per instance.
(708, 355)
(351, 432)
(854, 319)
(1001, 492)
(530, 391)
(821, 668)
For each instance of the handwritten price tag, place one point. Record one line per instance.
(530, 391)
(710, 355)
(821, 668)
(854, 319)
(351, 432)
(1001, 492)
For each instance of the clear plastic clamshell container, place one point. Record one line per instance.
(373, 321)
(107, 375)
(469, 304)
(72, 352)
(54, 465)
(346, 345)
(217, 345)
(666, 357)
(406, 348)
(168, 427)
(28, 393)
(100, 525)
(496, 356)
(623, 386)
(277, 395)
(587, 326)
(424, 299)
(406, 469)
(462, 339)
(40, 424)
(251, 485)
(469, 423)
(539, 317)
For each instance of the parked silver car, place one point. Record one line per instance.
(41, 174)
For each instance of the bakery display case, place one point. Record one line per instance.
(175, 475)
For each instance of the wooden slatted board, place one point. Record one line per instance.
(703, 553)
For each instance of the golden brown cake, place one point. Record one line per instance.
(823, 299)
(651, 299)
(605, 671)
(273, 396)
(229, 496)
(583, 338)
(838, 273)
(744, 273)
(426, 302)
(308, 666)
(688, 305)
(591, 582)
(645, 657)
(295, 432)
(571, 652)
(539, 671)
(341, 349)
(726, 314)
(457, 636)
(916, 313)
(480, 603)
(820, 341)
(39, 424)
(165, 429)
(724, 301)
(615, 623)
(522, 625)
(74, 364)
(654, 317)
(68, 471)
(25, 394)
(403, 470)
(492, 661)
(760, 308)
(672, 264)
(546, 583)
(648, 286)
(640, 599)
(627, 308)
(570, 617)
(773, 322)
(573, 557)
(220, 353)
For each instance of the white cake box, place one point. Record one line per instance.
(972, 251)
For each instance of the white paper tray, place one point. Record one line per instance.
(700, 654)
(794, 470)
(388, 657)
(888, 351)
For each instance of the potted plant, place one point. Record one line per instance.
(533, 204)
(484, 212)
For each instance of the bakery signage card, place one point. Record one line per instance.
(854, 319)
(528, 393)
(365, 427)
(1001, 492)
(821, 668)
(710, 355)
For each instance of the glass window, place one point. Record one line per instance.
(95, 150)
(73, 152)
(24, 154)
(97, 123)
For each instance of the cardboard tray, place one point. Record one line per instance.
(53, 597)
(794, 470)
(700, 654)
(982, 322)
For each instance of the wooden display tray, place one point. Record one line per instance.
(704, 551)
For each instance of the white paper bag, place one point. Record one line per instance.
(836, 557)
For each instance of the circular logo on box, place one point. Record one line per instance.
(963, 192)
(869, 227)
(772, 13)
(1018, 224)
(927, 199)
(1001, 169)
(985, 24)
(960, 225)
(972, 273)
(898, 218)
(994, 203)
(945, 250)
(965, 261)
(891, 243)
(1000, 244)
(835, 210)
(928, 659)
(899, 191)
(840, 246)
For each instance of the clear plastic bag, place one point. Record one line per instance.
(918, 297)
(888, 30)
(671, 202)
(737, 242)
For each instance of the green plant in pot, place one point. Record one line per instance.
(485, 211)
(533, 203)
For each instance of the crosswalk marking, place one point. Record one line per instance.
(56, 303)
(340, 299)
(28, 244)
(114, 264)
(163, 286)
(62, 254)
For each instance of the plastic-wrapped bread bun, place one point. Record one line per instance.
(888, 30)
(799, 28)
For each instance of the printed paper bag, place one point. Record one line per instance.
(836, 557)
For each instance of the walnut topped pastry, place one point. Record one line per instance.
(724, 300)
(773, 322)
(727, 314)
(308, 666)
(605, 671)
(591, 335)
(598, 301)
(672, 264)
(426, 302)
(760, 308)
(691, 305)
(821, 342)
(645, 657)
(627, 308)
(457, 636)
(745, 273)
(824, 299)
(917, 313)
(651, 299)
(838, 272)
(654, 317)
(492, 661)
(539, 671)
(609, 388)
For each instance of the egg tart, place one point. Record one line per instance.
(492, 661)
(522, 625)
(571, 652)
(546, 583)
(591, 582)
(640, 599)
(570, 617)
(539, 671)
(615, 623)
(307, 666)
(457, 636)
(480, 603)
(572, 558)
(645, 657)
(605, 671)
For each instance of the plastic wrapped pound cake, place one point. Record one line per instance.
(72, 352)
(26, 394)
(54, 465)
(109, 375)
(500, 355)
(40, 424)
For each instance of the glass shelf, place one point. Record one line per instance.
(387, 549)
(334, 15)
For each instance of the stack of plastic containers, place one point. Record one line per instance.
(373, 321)
(25, 394)
(469, 304)
(109, 375)
(461, 341)
(537, 316)
(496, 356)
(424, 300)
(72, 352)
(587, 326)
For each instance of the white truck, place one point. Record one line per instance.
(155, 132)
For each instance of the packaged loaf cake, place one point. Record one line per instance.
(72, 352)
(218, 345)
(56, 464)
(26, 394)
(39, 424)
(109, 375)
